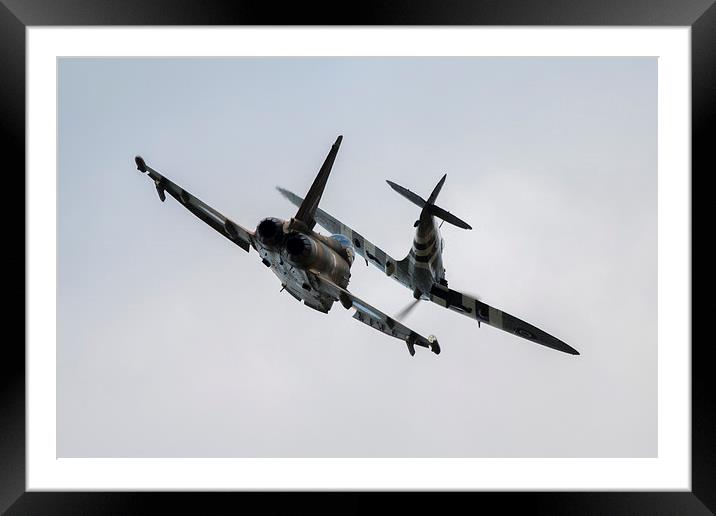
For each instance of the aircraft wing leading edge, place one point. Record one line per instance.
(471, 307)
(230, 229)
(373, 317)
(398, 270)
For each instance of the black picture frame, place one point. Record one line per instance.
(16, 15)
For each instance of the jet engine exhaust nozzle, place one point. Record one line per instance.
(298, 246)
(270, 231)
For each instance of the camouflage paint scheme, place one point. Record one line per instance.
(422, 269)
(313, 268)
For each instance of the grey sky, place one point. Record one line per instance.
(171, 341)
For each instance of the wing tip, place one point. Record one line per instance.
(141, 165)
(565, 348)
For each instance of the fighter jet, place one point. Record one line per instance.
(422, 269)
(313, 268)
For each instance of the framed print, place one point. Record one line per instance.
(155, 360)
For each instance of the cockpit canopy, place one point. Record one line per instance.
(346, 246)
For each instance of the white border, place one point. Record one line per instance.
(671, 470)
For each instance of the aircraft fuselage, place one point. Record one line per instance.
(425, 256)
(295, 254)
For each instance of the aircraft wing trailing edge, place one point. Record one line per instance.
(370, 252)
(230, 229)
(373, 317)
(483, 313)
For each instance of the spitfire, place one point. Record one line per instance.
(315, 268)
(422, 269)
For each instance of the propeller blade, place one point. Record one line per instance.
(405, 311)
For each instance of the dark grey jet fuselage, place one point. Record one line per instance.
(313, 268)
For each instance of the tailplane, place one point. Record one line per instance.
(429, 207)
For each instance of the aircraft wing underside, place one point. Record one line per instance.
(373, 317)
(475, 309)
(230, 229)
(398, 270)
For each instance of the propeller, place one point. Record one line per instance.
(408, 308)
(411, 306)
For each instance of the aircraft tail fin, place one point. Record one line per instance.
(306, 212)
(429, 207)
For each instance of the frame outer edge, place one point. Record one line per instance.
(12, 140)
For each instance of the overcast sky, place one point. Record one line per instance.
(173, 342)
